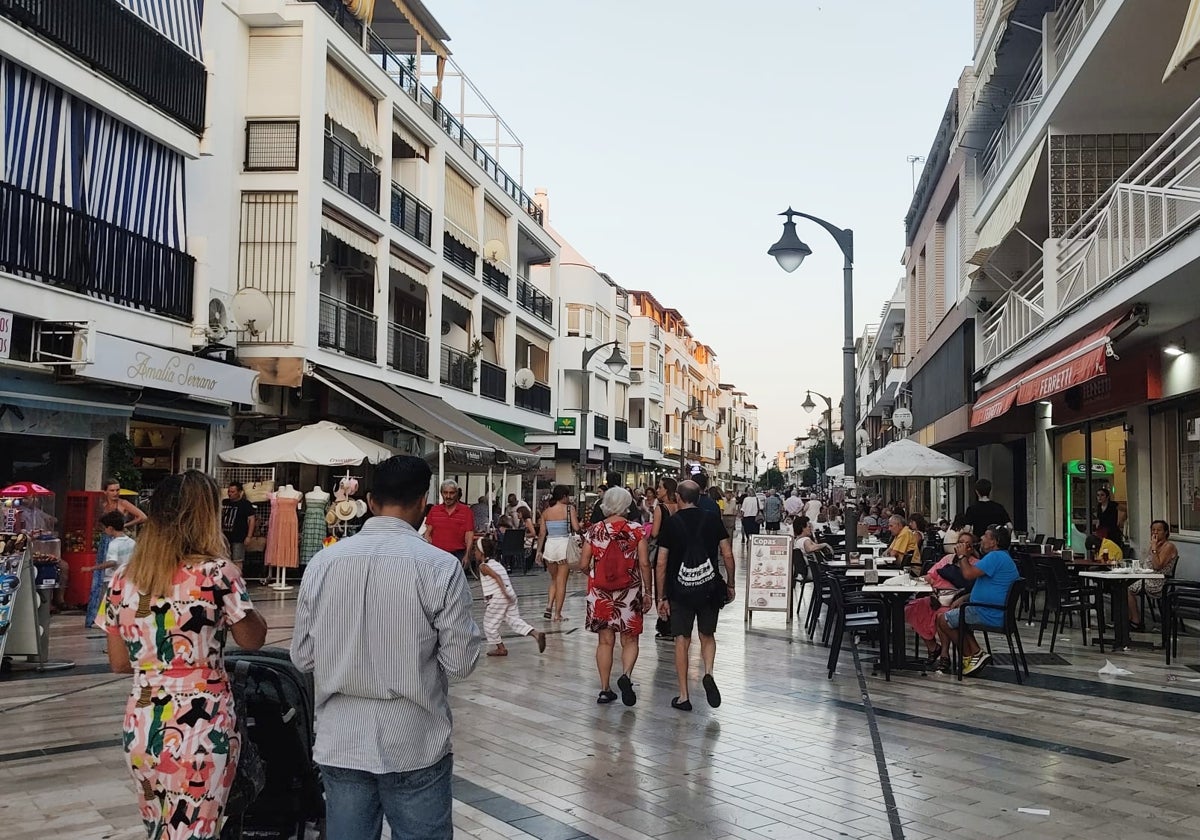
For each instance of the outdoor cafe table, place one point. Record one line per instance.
(1117, 582)
(883, 573)
(895, 596)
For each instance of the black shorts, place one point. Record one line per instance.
(770, 526)
(684, 616)
(749, 526)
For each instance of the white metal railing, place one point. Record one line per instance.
(1019, 312)
(1155, 201)
(1071, 20)
(1026, 101)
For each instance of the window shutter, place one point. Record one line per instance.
(272, 86)
(572, 320)
(460, 210)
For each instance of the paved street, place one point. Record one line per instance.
(789, 753)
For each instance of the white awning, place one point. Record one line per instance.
(352, 238)
(408, 270)
(461, 222)
(351, 107)
(410, 139)
(495, 227)
(457, 297)
(362, 9)
(1188, 48)
(1007, 214)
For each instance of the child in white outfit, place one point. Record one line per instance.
(501, 602)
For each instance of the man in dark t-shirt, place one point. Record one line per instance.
(985, 512)
(687, 525)
(237, 521)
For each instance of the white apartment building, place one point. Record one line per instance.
(738, 420)
(102, 305)
(882, 361)
(396, 250)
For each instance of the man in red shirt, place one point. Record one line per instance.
(450, 526)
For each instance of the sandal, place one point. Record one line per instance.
(606, 696)
(500, 651)
(681, 705)
(546, 615)
(626, 686)
(541, 640)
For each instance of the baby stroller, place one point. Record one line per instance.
(277, 701)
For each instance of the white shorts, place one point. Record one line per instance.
(555, 550)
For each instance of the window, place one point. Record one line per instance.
(622, 335)
(637, 355)
(659, 370)
(602, 319)
(1189, 468)
(579, 320)
(622, 407)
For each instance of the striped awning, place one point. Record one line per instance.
(1007, 213)
(409, 270)
(456, 296)
(460, 210)
(495, 229)
(410, 139)
(176, 20)
(364, 10)
(351, 107)
(1188, 48)
(353, 238)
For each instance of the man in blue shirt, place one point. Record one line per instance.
(993, 576)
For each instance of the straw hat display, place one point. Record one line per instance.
(345, 510)
(330, 517)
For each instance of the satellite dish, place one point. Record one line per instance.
(445, 328)
(252, 310)
(902, 418)
(494, 251)
(524, 379)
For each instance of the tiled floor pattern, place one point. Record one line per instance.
(788, 755)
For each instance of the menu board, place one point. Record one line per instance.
(768, 573)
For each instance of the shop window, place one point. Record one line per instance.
(1189, 469)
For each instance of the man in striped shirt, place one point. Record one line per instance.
(384, 623)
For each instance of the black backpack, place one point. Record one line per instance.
(697, 575)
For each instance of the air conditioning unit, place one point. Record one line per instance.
(65, 344)
(636, 377)
(219, 326)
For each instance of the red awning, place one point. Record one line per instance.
(1085, 359)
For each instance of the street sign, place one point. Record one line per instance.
(565, 426)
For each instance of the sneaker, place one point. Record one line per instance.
(973, 663)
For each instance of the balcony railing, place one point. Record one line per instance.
(105, 35)
(535, 398)
(411, 216)
(654, 439)
(458, 254)
(534, 302)
(56, 245)
(458, 370)
(600, 427)
(494, 278)
(621, 430)
(352, 173)
(347, 328)
(1025, 104)
(397, 68)
(408, 351)
(493, 381)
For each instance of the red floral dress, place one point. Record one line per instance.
(622, 610)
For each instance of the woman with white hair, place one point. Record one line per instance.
(618, 568)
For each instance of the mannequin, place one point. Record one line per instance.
(316, 502)
(283, 534)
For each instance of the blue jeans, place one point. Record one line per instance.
(417, 803)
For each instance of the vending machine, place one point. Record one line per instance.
(1077, 502)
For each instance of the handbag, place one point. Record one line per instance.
(574, 548)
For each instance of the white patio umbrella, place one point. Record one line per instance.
(325, 444)
(905, 458)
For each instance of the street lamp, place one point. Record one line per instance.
(790, 252)
(808, 405)
(696, 412)
(615, 363)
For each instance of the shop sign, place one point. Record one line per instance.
(6, 326)
(564, 425)
(768, 574)
(139, 365)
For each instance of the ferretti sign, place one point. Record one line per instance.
(138, 365)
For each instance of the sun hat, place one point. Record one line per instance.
(345, 510)
(330, 517)
(361, 507)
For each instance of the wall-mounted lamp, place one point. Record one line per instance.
(1175, 348)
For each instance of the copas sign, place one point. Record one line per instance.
(145, 366)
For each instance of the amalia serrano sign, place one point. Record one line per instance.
(139, 365)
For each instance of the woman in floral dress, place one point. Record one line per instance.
(167, 616)
(612, 613)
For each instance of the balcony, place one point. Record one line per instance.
(346, 328)
(494, 278)
(493, 382)
(349, 171)
(621, 430)
(397, 68)
(458, 370)
(56, 245)
(1152, 205)
(600, 427)
(458, 254)
(654, 437)
(535, 398)
(534, 302)
(410, 216)
(408, 351)
(106, 36)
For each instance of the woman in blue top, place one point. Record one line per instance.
(993, 575)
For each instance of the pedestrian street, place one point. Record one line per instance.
(789, 753)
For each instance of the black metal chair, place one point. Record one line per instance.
(1038, 539)
(1054, 544)
(1180, 599)
(1008, 627)
(1035, 582)
(512, 550)
(820, 596)
(1066, 595)
(801, 577)
(856, 613)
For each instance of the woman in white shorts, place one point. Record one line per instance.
(558, 525)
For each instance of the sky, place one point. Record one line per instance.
(669, 135)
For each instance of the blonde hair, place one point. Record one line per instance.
(183, 525)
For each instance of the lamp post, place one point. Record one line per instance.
(695, 411)
(615, 363)
(808, 405)
(790, 252)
